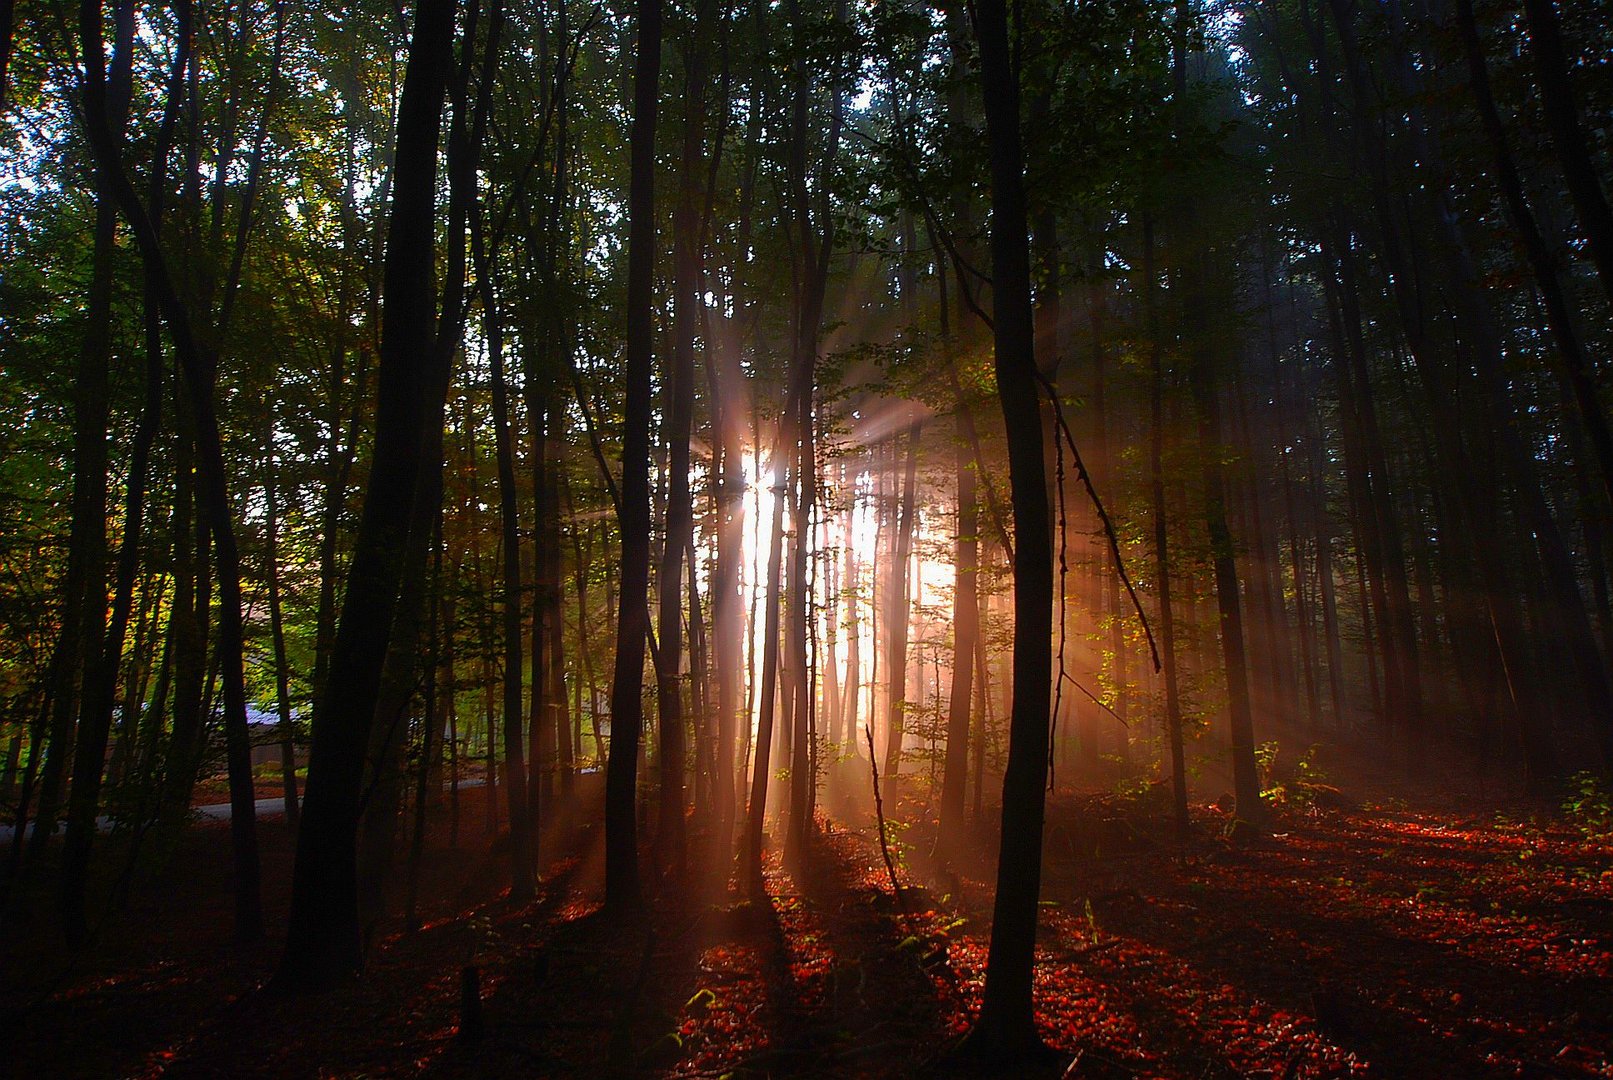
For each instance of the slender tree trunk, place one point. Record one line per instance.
(389, 732)
(554, 601)
(623, 893)
(187, 631)
(1006, 1026)
(521, 845)
(1162, 562)
(430, 751)
(761, 764)
(103, 658)
(851, 587)
(686, 304)
(1202, 377)
(83, 615)
(965, 641)
(7, 27)
(831, 697)
(200, 372)
(897, 628)
(965, 595)
(1326, 586)
(277, 630)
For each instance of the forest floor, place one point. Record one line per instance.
(1444, 935)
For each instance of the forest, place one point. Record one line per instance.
(819, 538)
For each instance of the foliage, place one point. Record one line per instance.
(1297, 787)
(1589, 804)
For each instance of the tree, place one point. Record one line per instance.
(1006, 1027)
(200, 370)
(323, 942)
(623, 892)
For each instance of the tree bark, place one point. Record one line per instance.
(897, 620)
(1006, 1026)
(200, 372)
(623, 892)
(277, 630)
(686, 303)
(965, 640)
(1162, 562)
(323, 941)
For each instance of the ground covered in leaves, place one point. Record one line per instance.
(1370, 939)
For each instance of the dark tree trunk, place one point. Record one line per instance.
(850, 586)
(200, 371)
(430, 750)
(7, 27)
(277, 630)
(103, 658)
(623, 892)
(553, 615)
(521, 820)
(1006, 1027)
(323, 941)
(1162, 562)
(187, 630)
(389, 731)
(965, 591)
(686, 304)
(83, 612)
(1197, 277)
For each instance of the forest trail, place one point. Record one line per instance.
(1383, 940)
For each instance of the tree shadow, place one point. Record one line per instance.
(1288, 934)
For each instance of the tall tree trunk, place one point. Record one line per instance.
(323, 940)
(1327, 588)
(965, 592)
(852, 589)
(1162, 562)
(200, 373)
(430, 750)
(277, 629)
(900, 603)
(83, 613)
(389, 731)
(103, 659)
(831, 697)
(623, 892)
(761, 775)
(1202, 348)
(554, 623)
(686, 305)
(1006, 1027)
(521, 846)
(965, 640)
